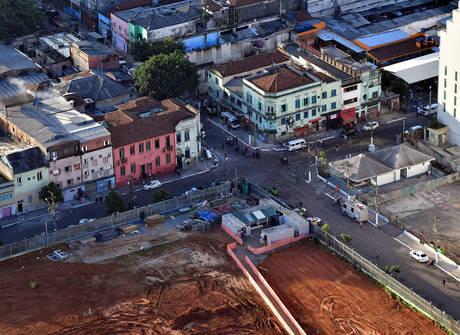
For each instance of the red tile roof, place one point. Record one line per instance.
(251, 63)
(282, 79)
(126, 126)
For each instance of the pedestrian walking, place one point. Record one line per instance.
(443, 282)
(377, 254)
(337, 147)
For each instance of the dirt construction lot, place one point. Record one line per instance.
(183, 284)
(327, 296)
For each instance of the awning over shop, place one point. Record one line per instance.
(348, 116)
(416, 69)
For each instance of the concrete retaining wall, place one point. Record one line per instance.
(274, 295)
(286, 327)
(277, 244)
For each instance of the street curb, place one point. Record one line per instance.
(191, 175)
(18, 222)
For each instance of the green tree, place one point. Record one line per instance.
(142, 50)
(166, 76)
(115, 203)
(51, 190)
(19, 17)
(160, 195)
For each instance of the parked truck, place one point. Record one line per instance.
(356, 210)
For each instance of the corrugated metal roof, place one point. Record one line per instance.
(383, 38)
(268, 212)
(241, 217)
(11, 87)
(330, 36)
(416, 69)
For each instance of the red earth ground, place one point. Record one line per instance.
(327, 296)
(161, 290)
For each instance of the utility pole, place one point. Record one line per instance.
(236, 178)
(404, 123)
(348, 175)
(309, 162)
(377, 203)
(225, 166)
(434, 221)
(429, 101)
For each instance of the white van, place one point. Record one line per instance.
(430, 110)
(296, 144)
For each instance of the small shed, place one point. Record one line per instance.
(235, 224)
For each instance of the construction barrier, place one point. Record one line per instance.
(288, 329)
(274, 295)
(277, 244)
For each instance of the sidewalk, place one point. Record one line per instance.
(25, 217)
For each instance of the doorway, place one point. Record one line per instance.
(404, 172)
(19, 206)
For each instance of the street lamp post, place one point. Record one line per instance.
(435, 221)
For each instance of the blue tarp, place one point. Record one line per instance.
(207, 216)
(202, 41)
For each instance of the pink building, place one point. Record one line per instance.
(143, 139)
(87, 55)
(120, 33)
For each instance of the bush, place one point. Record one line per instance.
(392, 268)
(160, 195)
(326, 227)
(347, 238)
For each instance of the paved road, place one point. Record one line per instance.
(291, 182)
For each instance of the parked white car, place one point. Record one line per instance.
(419, 256)
(371, 125)
(314, 220)
(83, 221)
(153, 184)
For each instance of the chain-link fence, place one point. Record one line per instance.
(77, 232)
(391, 283)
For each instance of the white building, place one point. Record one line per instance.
(383, 166)
(449, 69)
(188, 138)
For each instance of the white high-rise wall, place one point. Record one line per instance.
(449, 78)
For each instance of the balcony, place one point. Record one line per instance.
(124, 160)
(168, 148)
